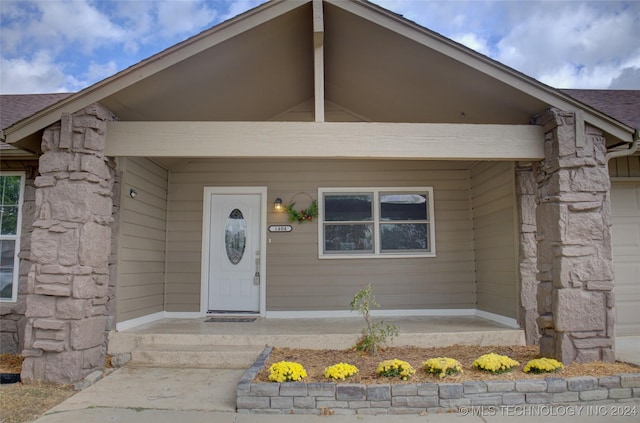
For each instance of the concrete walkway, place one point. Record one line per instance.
(159, 395)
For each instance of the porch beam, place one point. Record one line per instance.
(325, 140)
(318, 60)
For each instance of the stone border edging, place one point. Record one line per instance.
(417, 398)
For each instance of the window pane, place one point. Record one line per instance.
(235, 236)
(10, 190)
(8, 220)
(348, 207)
(404, 236)
(403, 207)
(356, 238)
(7, 254)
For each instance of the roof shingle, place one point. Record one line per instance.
(15, 107)
(622, 105)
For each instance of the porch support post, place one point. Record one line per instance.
(575, 298)
(67, 285)
(527, 260)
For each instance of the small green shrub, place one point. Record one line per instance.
(374, 334)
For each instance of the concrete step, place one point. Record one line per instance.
(195, 356)
(123, 342)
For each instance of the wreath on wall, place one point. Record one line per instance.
(302, 215)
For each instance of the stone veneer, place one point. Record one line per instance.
(574, 254)
(68, 280)
(528, 252)
(420, 398)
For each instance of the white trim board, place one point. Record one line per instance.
(326, 314)
(154, 317)
(139, 321)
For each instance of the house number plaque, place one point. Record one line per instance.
(280, 228)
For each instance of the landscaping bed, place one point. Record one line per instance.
(368, 393)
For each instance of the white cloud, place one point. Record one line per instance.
(183, 17)
(38, 75)
(571, 45)
(237, 7)
(58, 25)
(585, 44)
(629, 78)
(100, 71)
(474, 42)
(58, 45)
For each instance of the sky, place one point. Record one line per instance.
(52, 46)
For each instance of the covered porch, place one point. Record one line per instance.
(197, 342)
(128, 173)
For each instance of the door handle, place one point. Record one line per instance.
(256, 277)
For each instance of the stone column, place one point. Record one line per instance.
(575, 298)
(527, 260)
(70, 246)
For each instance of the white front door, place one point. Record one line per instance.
(234, 252)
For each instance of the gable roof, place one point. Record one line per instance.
(373, 63)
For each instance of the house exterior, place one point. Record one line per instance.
(450, 182)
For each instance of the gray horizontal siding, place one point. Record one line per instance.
(296, 278)
(493, 193)
(141, 239)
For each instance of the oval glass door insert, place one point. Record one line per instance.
(235, 236)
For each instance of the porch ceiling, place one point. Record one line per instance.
(369, 70)
(249, 77)
(389, 77)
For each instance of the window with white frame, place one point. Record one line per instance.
(11, 192)
(376, 222)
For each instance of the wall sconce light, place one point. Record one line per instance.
(133, 193)
(277, 205)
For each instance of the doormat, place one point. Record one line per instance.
(230, 319)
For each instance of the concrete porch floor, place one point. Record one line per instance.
(317, 333)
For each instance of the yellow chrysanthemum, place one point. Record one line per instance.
(340, 371)
(395, 367)
(495, 363)
(286, 371)
(543, 365)
(442, 366)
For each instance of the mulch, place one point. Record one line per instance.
(315, 361)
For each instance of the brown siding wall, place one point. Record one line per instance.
(496, 249)
(141, 239)
(296, 278)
